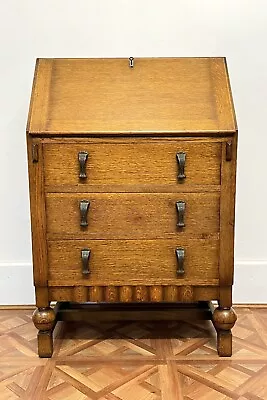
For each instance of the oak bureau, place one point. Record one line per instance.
(132, 189)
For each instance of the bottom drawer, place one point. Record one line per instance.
(133, 262)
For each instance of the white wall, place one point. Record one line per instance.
(236, 29)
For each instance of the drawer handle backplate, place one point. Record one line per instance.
(84, 207)
(181, 165)
(85, 255)
(82, 158)
(180, 253)
(180, 205)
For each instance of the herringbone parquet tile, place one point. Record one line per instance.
(134, 361)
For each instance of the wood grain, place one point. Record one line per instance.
(134, 139)
(133, 188)
(126, 294)
(170, 293)
(38, 214)
(132, 164)
(180, 357)
(156, 293)
(111, 294)
(80, 293)
(141, 293)
(42, 297)
(227, 216)
(44, 320)
(187, 294)
(132, 261)
(222, 95)
(96, 294)
(158, 95)
(40, 98)
(132, 216)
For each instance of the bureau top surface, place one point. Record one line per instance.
(158, 96)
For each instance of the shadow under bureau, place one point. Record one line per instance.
(132, 188)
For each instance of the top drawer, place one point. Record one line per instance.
(132, 163)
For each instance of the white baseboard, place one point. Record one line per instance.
(16, 284)
(250, 278)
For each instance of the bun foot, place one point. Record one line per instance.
(223, 320)
(44, 320)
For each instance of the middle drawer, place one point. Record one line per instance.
(131, 215)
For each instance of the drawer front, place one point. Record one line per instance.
(153, 162)
(131, 215)
(133, 262)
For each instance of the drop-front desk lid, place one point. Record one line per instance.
(158, 96)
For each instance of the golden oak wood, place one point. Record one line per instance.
(40, 94)
(106, 96)
(42, 296)
(132, 163)
(227, 219)
(135, 188)
(80, 293)
(132, 261)
(95, 293)
(44, 320)
(132, 215)
(132, 122)
(38, 216)
(133, 139)
(224, 320)
(139, 293)
(125, 294)
(227, 215)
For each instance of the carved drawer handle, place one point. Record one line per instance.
(180, 253)
(85, 255)
(82, 158)
(180, 205)
(181, 165)
(84, 207)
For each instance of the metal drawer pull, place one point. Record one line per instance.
(84, 207)
(82, 157)
(85, 255)
(180, 259)
(180, 205)
(181, 165)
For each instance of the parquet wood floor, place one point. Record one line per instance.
(134, 361)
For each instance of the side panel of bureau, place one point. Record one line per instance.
(38, 212)
(227, 220)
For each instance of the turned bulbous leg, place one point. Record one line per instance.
(224, 320)
(44, 321)
(43, 318)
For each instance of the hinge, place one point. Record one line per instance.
(35, 152)
(229, 150)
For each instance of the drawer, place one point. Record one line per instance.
(120, 262)
(131, 163)
(131, 215)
